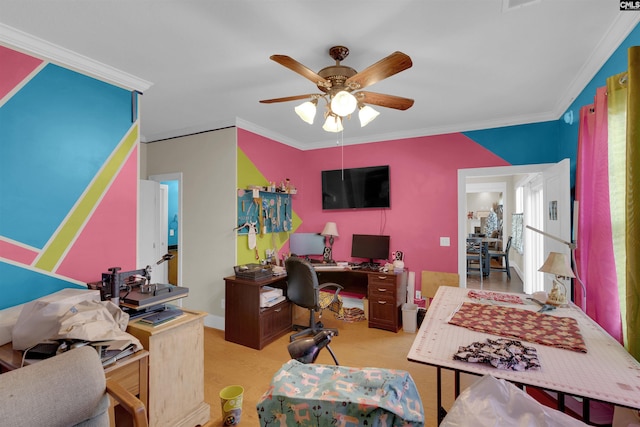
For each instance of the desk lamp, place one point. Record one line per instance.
(306, 350)
(558, 265)
(331, 230)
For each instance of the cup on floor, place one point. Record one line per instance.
(231, 402)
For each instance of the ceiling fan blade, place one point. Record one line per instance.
(297, 67)
(288, 98)
(382, 69)
(389, 101)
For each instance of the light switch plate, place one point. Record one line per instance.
(445, 241)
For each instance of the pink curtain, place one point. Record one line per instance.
(594, 254)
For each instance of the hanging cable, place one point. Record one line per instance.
(342, 153)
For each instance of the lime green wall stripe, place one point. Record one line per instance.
(78, 216)
(248, 175)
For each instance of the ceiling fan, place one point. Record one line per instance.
(342, 88)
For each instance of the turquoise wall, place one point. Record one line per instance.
(68, 180)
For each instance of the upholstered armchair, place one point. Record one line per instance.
(69, 389)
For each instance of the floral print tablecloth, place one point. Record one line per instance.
(531, 326)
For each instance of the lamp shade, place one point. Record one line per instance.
(333, 124)
(366, 115)
(343, 103)
(307, 111)
(330, 229)
(306, 350)
(558, 265)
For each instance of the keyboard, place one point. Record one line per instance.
(327, 267)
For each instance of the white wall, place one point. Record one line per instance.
(208, 165)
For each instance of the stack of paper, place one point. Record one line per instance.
(270, 296)
(274, 301)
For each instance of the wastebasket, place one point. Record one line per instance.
(409, 317)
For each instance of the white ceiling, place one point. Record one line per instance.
(477, 64)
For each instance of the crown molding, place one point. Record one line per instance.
(66, 58)
(618, 32)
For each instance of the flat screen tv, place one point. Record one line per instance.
(370, 247)
(356, 188)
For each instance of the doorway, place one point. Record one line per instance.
(173, 223)
(556, 187)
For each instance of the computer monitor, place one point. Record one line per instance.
(370, 247)
(305, 244)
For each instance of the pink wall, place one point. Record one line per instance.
(16, 66)
(423, 191)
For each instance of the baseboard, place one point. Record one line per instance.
(215, 322)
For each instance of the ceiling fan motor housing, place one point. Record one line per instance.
(337, 75)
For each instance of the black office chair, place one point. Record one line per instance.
(303, 290)
(499, 256)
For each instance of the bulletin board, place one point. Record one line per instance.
(270, 212)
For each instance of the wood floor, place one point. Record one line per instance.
(357, 346)
(496, 281)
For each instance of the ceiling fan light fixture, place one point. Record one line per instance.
(367, 115)
(333, 124)
(343, 103)
(307, 111)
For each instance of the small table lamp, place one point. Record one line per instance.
(558, 265)
(331, 230)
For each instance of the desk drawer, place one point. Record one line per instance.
(379, 279)
(382, 289)
(383, 313)
(274, 321)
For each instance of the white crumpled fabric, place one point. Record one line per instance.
(84, 320)
(491, 402)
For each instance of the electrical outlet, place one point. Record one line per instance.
(418, 294)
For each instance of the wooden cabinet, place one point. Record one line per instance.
(176, 370)
(245, 322)
(386, 292)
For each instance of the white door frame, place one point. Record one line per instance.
(175, 177)
(463, 174)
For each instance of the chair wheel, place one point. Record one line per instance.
(320, 325)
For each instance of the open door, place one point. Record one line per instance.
(555, 186)
(152, 226)
(555, 219)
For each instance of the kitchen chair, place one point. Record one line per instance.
(303, 290)
(502, 255)
(476, 253)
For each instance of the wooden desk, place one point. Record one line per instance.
(131, 372)
(606, 373)
(248, 324)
